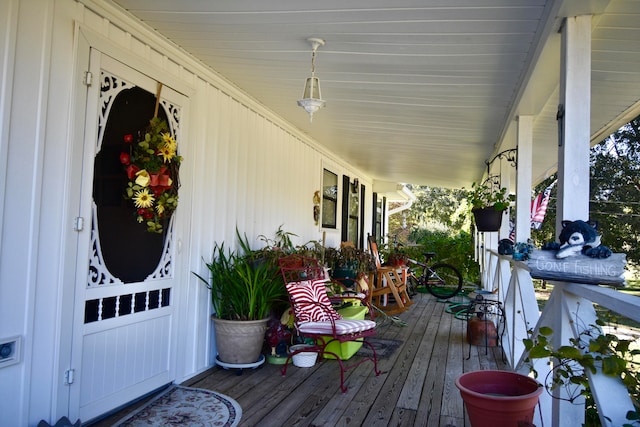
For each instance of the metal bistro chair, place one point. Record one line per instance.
(315, 317)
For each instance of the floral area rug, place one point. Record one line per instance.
(184, 406)
(384, 347)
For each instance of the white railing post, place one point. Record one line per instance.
(491, 269)
(510, 312)
(521, 310)
(567, 322)
(503, 277)
(487, 271)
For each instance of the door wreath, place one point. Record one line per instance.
(152, 166)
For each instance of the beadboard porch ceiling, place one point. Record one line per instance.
(417, 91)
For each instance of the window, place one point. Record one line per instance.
(329, 199)
(351, 211)
(379, 204)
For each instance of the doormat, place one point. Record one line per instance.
(185, 406)
(384, 347)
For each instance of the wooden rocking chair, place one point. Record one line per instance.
(315, 317)
(387, 284)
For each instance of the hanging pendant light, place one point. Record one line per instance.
(311, 99)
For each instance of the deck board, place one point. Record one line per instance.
(416, 386)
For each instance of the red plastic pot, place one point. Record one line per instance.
(498, 398)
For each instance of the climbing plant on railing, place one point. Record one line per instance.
(592, 349)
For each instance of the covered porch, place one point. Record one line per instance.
(423, 92)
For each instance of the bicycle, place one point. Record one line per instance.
(441, 280)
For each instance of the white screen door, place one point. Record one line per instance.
(124, 305)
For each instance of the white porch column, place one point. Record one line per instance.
(505, 181)
(523, 178)
(574, 114)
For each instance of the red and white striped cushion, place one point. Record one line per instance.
(311, 303)
(342, 327)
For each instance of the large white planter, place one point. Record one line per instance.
(239, 341)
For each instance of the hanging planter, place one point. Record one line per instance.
(487, 219)
(498, 398)
(488, 201)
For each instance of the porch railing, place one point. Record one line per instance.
(569, 311)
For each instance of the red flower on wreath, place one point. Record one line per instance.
(125, 158)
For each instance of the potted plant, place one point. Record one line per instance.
(488, 202)
(396, 256)
(347, 263)
(281, 245)
(243, 293)
(312, 249)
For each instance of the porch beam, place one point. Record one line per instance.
(574, 120)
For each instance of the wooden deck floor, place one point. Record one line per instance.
(416, 387)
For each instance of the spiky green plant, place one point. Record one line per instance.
(242, 287)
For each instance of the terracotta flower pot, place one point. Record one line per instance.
(498, 398)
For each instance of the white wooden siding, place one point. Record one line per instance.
(243, 167)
